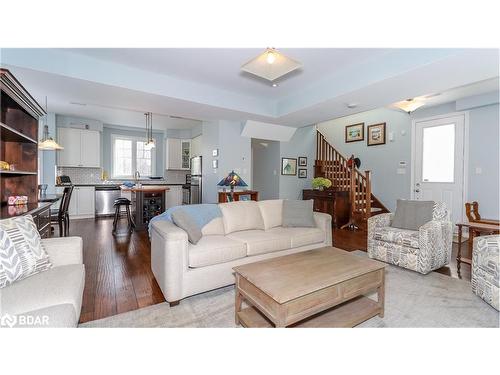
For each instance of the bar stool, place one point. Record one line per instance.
(118, 205)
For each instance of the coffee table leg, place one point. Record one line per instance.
(459, 250)
(381, 295)
(238, 301)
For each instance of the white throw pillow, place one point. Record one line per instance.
(272, 212)
(21, 250)
(241, 215)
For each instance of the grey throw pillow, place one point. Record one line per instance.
(185, 221)
(21, 250)
(412, 214)
(298, 214)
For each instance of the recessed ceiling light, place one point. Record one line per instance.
(271, 65)
(352, 105)
(275, 85)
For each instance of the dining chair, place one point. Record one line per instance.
(61, 216)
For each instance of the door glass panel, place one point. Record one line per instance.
(438, 153)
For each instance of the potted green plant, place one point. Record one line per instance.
(321, 183)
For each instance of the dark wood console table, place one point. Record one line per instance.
(223, 195)
(335, 203)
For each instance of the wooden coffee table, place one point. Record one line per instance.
(317, 288)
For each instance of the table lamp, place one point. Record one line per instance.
(232, 180)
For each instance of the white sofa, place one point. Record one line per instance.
(52, 298)
(247, 232)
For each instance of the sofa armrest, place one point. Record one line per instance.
(324, 222)
(377, 221)
(435, 239)
(64, 250)
(169, 258)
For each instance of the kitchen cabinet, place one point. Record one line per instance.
(196, 146)
(174, 196)
(82, 203)
(178, 154)
(82, 148)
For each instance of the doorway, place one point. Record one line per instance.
(265, 168)
(439, 151)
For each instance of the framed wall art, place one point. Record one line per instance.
(302, 161)
(376, 134)
(355, 132)
(302, 173)
(288, 166)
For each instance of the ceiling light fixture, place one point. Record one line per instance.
(275, 85)
(47, 143)
(150, 142)
(409, 105)
(270, 65)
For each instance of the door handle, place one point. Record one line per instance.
(417, 190)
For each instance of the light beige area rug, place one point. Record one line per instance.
(412, 300)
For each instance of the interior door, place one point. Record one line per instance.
(438, 170)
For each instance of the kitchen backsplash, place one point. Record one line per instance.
(176, 177)
(81, 175)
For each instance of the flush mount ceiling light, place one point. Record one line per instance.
(270, 65)
(409, 105)
(47, 143)
(150, 142)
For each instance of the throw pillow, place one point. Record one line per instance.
(298, 214)
(412, 214)
(184, 220)
(21, 250)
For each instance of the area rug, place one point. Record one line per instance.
(412, 300)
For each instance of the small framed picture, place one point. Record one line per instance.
(215, 164)
(302, 161)
(355, 133)
(376, 134)
(215, 152)
(245, 197)
(302, 173)
(288, 166)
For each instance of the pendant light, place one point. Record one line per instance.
(150, 142)
(47, 143)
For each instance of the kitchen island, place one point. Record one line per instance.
(147, 202)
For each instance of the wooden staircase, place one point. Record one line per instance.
(332, 165)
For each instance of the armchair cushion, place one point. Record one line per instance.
(412, 214)
(398, 236)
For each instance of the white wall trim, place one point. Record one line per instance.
(465, 170)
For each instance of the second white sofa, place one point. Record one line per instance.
(247, 232)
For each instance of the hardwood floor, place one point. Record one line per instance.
(118, 272)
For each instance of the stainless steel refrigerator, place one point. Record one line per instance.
(196, 180)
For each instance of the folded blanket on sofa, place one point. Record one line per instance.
(202, 214)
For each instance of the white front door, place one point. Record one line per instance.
(438, 165)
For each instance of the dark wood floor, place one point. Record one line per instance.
(118, 272)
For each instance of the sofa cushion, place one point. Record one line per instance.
(272, 212)
(216, 226)
(298, 213)
(215, 249)
(241, 215)
(412, 214)
(59, 285)
(260, 242)
(398, 236)
(301, 236)
(21, 250)
(58, 316)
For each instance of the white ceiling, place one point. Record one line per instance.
(220, 67)
(118, 85)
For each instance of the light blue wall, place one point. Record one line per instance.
(109, 130)
(266, 168)
(234, 154)
(303, 143)
(381, 160)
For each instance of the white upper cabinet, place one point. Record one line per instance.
(196, 146)
(82, 148)
(178, 154)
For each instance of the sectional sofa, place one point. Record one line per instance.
(247, 232)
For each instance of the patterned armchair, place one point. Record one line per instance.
(485, 268)
(423, 251)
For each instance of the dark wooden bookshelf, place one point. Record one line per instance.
(19, 116)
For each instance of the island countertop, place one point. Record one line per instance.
(146, 189)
